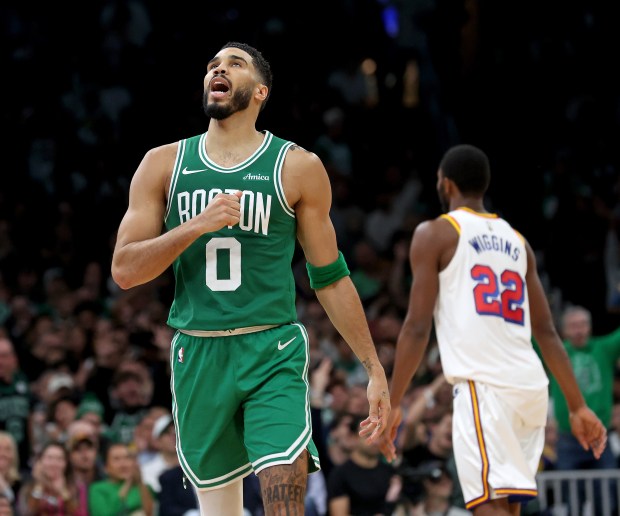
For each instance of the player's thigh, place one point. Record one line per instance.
(206, 409)
(276, 410)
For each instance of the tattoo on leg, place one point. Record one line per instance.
(283, 487)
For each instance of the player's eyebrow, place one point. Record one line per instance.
(232, 57)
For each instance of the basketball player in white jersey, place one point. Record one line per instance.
(476, 278)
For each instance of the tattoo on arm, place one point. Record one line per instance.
(297, 147)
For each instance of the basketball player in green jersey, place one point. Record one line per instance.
(233, 202)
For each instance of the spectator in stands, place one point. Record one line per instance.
(10, 474)
(165, 457)
(614, 435)
(130, 406)
(85, 467)
(360, 485)
(438, 487)
(60, 414)
(175, 497)
(97, 373)
(341, 439)
(91, 409)
(144, 441)
(594, 361)
(15, 399)
(550, 453)
(123, 490)
(50, 490)
(438, 448)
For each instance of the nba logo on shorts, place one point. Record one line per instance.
(181, 355)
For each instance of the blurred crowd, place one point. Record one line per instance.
(84, 366)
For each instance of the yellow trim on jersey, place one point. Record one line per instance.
(524, 492)
(452, 221)
(483, 451)
(520, 236)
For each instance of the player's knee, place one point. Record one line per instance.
(224, 500)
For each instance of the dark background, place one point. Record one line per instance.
(88, 88)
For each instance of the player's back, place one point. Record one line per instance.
(482, 317)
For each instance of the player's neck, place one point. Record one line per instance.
(237, 128)
(228, 144)
(470, 203)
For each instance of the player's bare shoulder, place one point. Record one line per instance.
(161, 157)
(436, 237)
(157, 165)
(300, 158)
(437, 228)
(303, 173)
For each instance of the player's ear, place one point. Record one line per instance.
(449, 186)
(261, 92)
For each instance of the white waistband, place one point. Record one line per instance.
(226, 333)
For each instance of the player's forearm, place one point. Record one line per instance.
(136, 263)
(559, 365)
(410, 350)
(344, 308)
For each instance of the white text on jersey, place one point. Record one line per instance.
(255, 207)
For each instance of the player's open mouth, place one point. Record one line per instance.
(219, 87)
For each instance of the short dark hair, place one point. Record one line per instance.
(260, 63)
(468, 167)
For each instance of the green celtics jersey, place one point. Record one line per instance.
(238, 276)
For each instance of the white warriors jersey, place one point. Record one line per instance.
(482, 315)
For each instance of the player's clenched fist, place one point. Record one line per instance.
(223, 210)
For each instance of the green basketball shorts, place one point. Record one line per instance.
(241, 403)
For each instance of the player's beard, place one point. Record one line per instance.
(238, 102)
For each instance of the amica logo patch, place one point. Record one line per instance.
(255, 177)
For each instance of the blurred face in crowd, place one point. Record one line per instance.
(143, 433)
(83, 456)
(8, 361)
(577, 327)
(82, 427)
(441, 436)
(107, 352)
(94, 419)
(130, 393)
(440, 486)
(8, 454)
(119, 462)
(64, 412)
(53, 461)
(358, 402)
(166, 443)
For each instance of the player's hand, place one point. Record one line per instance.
(387, 443)
(223, 210)
(588, 430)
(379, 400)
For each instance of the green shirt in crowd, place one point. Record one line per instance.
(104, 499)
(594, 366)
